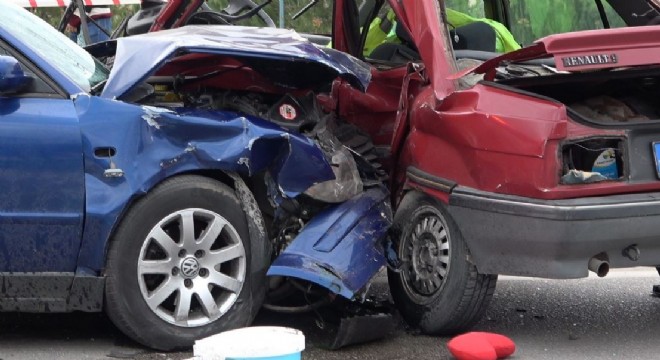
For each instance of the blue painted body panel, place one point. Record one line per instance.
(139, 56)
(42, 197)
(153, 144)
(341, 248)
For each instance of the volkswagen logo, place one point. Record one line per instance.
(189, 267)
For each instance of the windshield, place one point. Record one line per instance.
(53, 46)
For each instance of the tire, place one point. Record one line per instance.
(187, 289)
(436, 289)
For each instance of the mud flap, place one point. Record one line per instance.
(342, 247)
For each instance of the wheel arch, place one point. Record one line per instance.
(92, 257)
(234, 181)
(411, 193)
(466, 293)
(171, 195)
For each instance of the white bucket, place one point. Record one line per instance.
(252, 343)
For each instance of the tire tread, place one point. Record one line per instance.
(475, 289)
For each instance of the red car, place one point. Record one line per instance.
(540, 162)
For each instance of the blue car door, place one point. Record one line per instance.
(41, 178)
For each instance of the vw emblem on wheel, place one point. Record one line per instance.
(189, 267)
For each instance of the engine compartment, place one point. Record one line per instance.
(348, 150)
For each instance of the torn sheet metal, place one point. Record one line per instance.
(341, 248)
(246, 145)
(151, 144)
(139, 56)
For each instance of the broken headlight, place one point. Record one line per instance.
(592, 160)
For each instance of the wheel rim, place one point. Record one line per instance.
(425, 252)
(191, 267)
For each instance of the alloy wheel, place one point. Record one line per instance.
(192, 267)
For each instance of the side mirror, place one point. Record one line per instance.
(12, 78)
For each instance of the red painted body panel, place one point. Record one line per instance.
(375, 110)
(501, 142)
(174, 14)
(422, 18)
(492, 152)
(618, 47)
(490, 138)
(339, 35)
(238, 76)
(631, 46)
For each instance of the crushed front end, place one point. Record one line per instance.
(231, 99)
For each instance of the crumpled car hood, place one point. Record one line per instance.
(137, 57)
(586, 50)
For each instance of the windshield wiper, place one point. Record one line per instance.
(98, 88)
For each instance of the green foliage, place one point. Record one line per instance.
(53, 15)
(530, 19)
(317, 20)
(471, 7)
(533, 19)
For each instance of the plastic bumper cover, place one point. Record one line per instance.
(511, 235)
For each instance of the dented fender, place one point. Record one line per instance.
(146, 145)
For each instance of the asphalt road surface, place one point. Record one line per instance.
(611, 318)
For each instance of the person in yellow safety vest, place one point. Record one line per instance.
(504, 40)
(382, 31)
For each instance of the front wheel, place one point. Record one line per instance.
(179, 265)
(437, 289)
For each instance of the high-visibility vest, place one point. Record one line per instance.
(382, 31)
(504, 41)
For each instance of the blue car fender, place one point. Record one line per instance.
(147, 145)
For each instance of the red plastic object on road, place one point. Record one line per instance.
(481, 346)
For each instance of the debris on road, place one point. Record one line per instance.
(481, 346)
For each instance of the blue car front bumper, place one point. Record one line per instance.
(341, 248)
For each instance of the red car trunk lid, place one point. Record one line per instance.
(587, 50)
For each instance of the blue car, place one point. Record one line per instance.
(160, 178)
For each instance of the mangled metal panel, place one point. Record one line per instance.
(137, 57)
(341, 248)
(149, 144)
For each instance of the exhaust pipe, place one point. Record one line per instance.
(599, 264)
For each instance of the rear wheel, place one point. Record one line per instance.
(437, 289)
(179, 265)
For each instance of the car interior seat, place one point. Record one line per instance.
(477, 36)
(397, 53)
